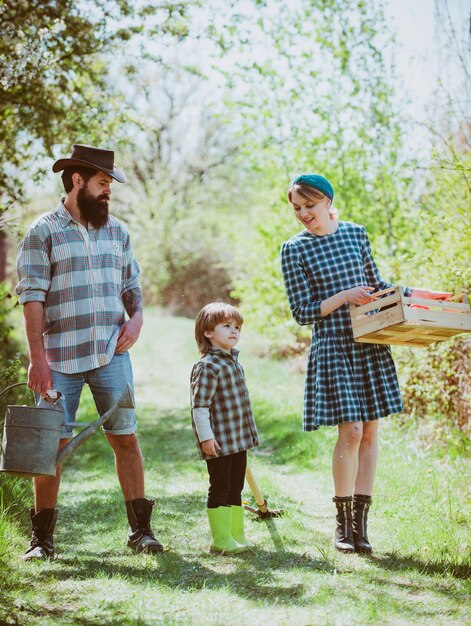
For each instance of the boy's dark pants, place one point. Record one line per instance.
(226, 479)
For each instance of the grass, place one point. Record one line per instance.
(418, 574)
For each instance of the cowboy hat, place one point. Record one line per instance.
(95, 158)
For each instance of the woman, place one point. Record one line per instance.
(327, 267)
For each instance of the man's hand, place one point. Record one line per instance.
(39, 376)
(129, 333)
(210, 447)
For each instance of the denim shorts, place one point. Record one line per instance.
(106, 383)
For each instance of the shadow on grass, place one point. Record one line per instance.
(398, 563)
(252, 574)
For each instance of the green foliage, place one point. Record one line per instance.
(296, 119)
(440, 254)
(55, 87)
(182, 208)
(438, 387)
(12, 368)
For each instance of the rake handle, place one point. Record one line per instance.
(259, 499)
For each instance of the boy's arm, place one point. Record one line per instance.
(202, 423)
(209, 445)
(203, 387)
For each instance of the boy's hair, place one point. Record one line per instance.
(209, 317)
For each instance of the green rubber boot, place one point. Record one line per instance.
(237, 528)
(220, 521)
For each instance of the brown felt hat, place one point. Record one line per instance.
(96, 158)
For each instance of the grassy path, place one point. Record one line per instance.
(417, 575)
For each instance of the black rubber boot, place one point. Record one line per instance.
(344, 531)
(141, 538)
(42, 538)
(361, 505)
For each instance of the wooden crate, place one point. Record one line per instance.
(397, 320)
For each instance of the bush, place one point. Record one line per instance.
(192, 286)
(438, 387)
(12, 366)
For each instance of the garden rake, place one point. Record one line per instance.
(262, 512)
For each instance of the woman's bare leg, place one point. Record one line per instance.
(367, 458)
(345, 457)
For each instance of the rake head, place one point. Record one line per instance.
(263, 512)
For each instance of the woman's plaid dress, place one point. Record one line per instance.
(345, 381)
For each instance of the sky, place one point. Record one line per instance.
(422, 54)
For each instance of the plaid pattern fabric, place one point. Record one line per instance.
(80, 275)
(345, 381)
(218, 383)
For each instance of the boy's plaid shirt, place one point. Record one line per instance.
(80, 276)
(218, 383)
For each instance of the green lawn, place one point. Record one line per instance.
(418, 574)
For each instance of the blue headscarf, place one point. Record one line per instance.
(318, 182)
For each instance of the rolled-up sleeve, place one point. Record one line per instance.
(304, 309)
(131, 269)
(34, 269)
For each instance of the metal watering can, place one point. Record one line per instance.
(31, 436)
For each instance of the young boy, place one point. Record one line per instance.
(223, 422)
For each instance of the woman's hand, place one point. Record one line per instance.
(359, 295)
(432, 295)
(210, 447)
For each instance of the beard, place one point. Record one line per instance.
(94, 209)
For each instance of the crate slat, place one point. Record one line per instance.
(442, 319)
(383, 319)
(437, 304)
(390, 320)
(377, 304)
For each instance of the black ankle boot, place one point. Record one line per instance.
(42, 537)
(141, 538)
(343, 531)
(361, 505)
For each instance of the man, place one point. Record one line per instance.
(77, 278)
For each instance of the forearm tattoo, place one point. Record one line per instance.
(132, 301)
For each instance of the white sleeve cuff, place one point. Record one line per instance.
(202, 423)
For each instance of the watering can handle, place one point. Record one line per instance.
(18, 384)
(11, 387)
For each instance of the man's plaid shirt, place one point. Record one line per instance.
(80, 276)
(218, 383)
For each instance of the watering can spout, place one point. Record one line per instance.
(126, 401)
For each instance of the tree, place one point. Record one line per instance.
(177, 204)
(54, 79)
(312, 90)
